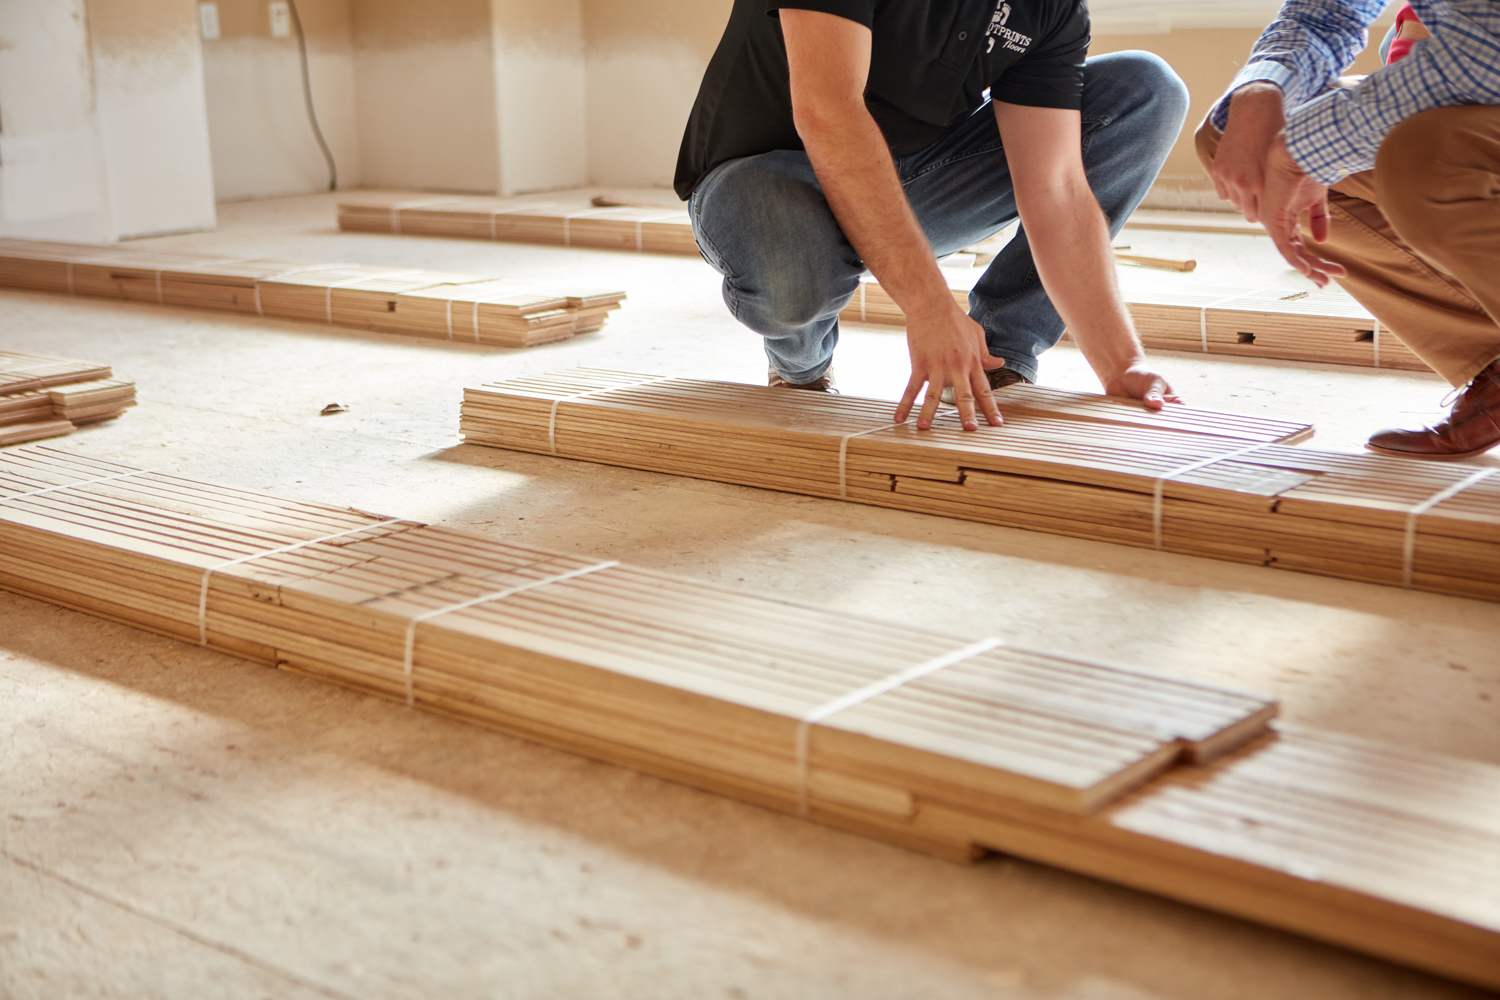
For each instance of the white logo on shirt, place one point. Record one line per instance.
(1013, 40)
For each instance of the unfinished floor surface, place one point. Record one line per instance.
(179, 822)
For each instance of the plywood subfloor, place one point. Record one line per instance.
(181, 823)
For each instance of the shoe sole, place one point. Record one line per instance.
(1452, 457)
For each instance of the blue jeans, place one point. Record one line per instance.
(763, 223)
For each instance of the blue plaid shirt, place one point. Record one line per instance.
(1333, 132)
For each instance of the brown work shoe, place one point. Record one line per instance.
(1472, 427)
(823, 383)
(1000, 378)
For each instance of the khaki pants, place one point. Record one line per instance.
(1420, 235)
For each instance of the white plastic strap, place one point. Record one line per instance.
(450, 320)
(477, 303)
(874, 690)
(208, 573)
(844, 454)
(328, 290)
(396, 210)
(285, 274)
(1161, 482)
(640, 246)
(1203, 313)
(568, 236)
(1375, 336)
(494, 233)
(1409, 544)
(69, 486)
(552, 417)
(862, 286)
(499, 595)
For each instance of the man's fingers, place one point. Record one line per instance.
(1318, 222)
(930, 406)
(986, 397)
(965, 400)
(908, 399)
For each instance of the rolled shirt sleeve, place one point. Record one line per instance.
(1339, 132)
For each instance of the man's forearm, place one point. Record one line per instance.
(1071, 247)
(859, 179)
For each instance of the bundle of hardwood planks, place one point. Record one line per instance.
(652, 230)
(1272, 323)
(1191, 481)
(413, 301)
(48, 397)
(915, 737)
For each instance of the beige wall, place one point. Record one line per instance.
(540, 78)
(645, 60)
(105, 133)
(426, 96)
(258, 129)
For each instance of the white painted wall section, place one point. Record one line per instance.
(262, 143)
(153, 123)
(639, 97)
(52, 174)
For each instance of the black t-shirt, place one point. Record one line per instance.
(930, 63)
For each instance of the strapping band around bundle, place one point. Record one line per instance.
(862, 286)
(640, 244)
(83, 482)
(1409, 543)
(552, 417)
(569, 217)
(328, 289)
(475, 317)
(1375, 341)
(1158, 489)
(1203, 313)
(872, 690)
(396, 210)
(208, 573)
(844, 455)
(285, 274)
(494, 231)
(498, 595)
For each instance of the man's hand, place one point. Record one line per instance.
(1140, 381)
(1288, 193)
(948, 349)
(1256, 117)
(828, 58)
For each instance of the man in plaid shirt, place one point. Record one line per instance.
(1399, 174)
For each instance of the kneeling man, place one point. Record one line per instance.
(831, 136)
(1399, 177)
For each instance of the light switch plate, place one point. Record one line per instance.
(281, 19)
(208, 20)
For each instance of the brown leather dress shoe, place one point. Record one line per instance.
(1472, 428)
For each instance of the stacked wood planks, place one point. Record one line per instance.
(413, 301)
(1273, 323)
(652, 230)
(915, 737)
(1182, 480)
(49, 397)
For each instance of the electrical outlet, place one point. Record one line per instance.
(208, 20)
(281, 19)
